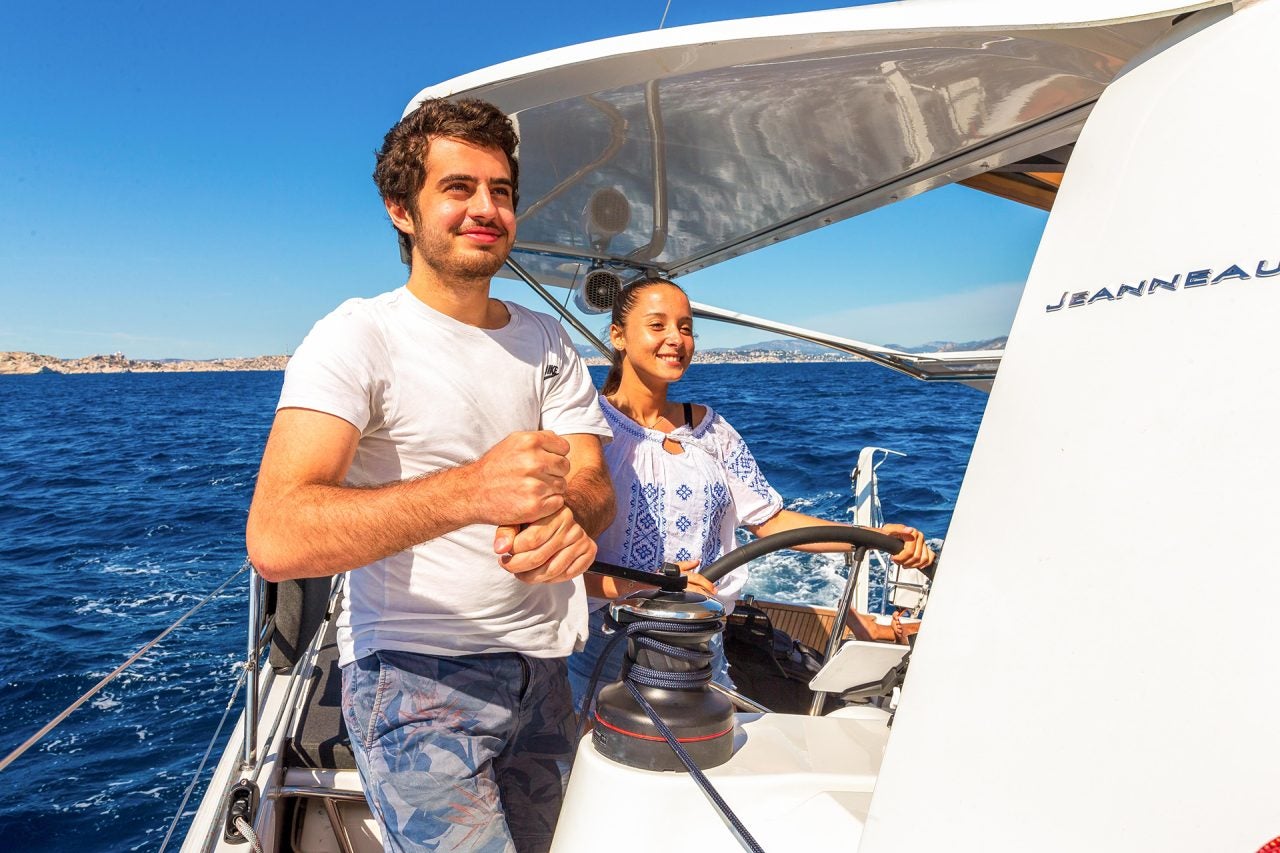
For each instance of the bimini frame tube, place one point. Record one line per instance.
(559, 309)
(974, 368)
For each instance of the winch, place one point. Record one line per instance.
(667, 667)
(663, 693)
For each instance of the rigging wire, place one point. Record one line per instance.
(49, 726)
(195, 777)
(664, 14)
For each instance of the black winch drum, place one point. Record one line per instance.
(700, 718)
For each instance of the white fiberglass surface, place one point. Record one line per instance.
(796, 782)
(1097, 671)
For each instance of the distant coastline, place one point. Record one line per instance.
(767, 352)
(28, 363)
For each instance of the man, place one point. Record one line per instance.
(447, 446)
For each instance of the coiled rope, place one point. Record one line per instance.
(52, 724)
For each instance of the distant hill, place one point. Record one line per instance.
(778, 345)
(783, 346)
(953, 346)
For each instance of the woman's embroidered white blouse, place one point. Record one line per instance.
(682, 506)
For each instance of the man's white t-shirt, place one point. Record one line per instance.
(429, 393)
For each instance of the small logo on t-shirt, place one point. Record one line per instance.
(551, 371)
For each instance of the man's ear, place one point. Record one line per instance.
(399, 214)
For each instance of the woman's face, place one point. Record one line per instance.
(657, 337)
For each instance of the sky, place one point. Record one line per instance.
(192, 180)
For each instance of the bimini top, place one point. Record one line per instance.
(672, 150)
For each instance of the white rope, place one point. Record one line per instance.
(49, 726)
(247, 831)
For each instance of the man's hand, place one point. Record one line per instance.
(520, 479)
(551, 549)
(914, 554)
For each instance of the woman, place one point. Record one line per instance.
(684, 478)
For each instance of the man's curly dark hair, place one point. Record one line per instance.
(401, 168)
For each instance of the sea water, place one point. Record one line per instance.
(122, 504)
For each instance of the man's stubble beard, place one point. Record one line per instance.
(449, 266)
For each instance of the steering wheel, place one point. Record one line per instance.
(859, 537)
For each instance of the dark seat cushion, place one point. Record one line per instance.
(299, 607)
(320, 738)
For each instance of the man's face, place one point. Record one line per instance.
(466, 218)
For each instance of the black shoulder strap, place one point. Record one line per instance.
(688, 415)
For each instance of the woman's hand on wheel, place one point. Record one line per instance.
(697, 582)
(915, 554)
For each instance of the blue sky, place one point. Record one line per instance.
(192, 180)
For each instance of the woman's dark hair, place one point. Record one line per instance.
(401, 168)
(622, 306)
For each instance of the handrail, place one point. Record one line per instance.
(253, 654)
(974, 367)
(52, 724)
(855, 561)
(286, 791)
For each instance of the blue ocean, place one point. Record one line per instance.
(123, 502)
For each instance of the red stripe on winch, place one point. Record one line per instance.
(659, 738)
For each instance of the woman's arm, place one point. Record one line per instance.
(915, 554)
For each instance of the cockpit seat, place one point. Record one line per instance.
(319, 739)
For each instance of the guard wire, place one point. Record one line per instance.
(195, 777)
(52, 724)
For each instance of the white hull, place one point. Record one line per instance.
(797, 782)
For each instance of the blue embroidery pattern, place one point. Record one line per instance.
(646, 529)
(622, 424)
(676, 510)
(743, 466)
(715, 501)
